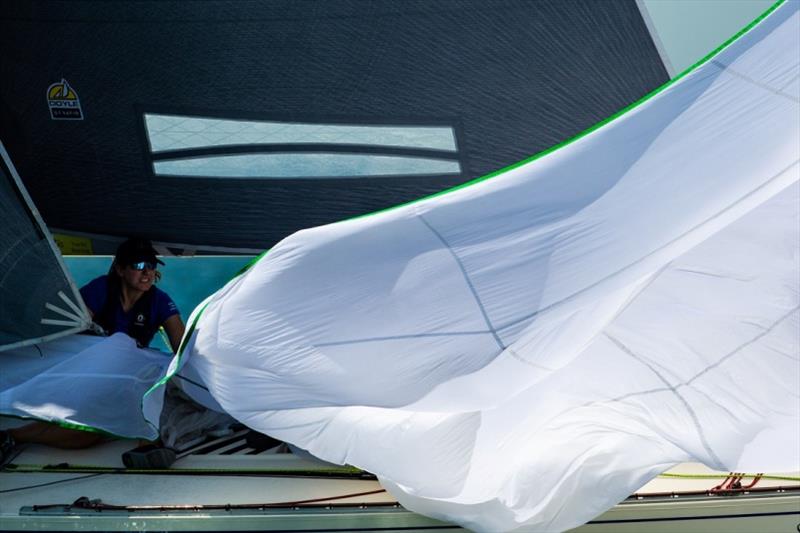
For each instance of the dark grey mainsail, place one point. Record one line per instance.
(39, 299)
(233, 124)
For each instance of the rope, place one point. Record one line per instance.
(48, 484)
(65, 468)
(85, 503)
(727, 476)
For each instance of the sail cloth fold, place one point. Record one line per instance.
(84, 382)
(525, 351)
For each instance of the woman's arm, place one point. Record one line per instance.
(174, 328)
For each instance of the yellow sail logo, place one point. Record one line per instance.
(63, 102)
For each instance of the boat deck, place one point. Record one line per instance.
(224, 484)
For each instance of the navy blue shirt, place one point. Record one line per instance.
(95, 292)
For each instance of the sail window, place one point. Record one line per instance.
(304, 165)
(190, 146)
(174, 132)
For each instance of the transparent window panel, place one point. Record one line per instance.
(173, 132)
(304, 165)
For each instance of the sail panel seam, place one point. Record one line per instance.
(733, 72)
(513, 353)
(678, 395)
(687, 383)
(742, 346)
(466, 279)
(791, 80)
(401, 337)
(653, 252)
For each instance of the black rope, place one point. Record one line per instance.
(97, 470)
(51, 483)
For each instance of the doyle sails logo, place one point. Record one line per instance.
(63, 102)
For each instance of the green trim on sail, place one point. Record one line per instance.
(252, 262)
(496, 173)
(186, 336)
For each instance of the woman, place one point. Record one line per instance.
(125, 300)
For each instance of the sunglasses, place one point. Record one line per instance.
(142, 265)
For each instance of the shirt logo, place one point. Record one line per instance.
(63, 102)
(140, 319)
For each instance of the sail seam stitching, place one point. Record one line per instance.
(513, 353)
(467, 280)
(692, 414)
(665, 389)
(742, 346)
(712, 365)
(740, 403)
(642, 258)
(791, 80)
(733, 72)
(399, 337)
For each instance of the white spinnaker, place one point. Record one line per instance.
(496, 353)
(702, 366)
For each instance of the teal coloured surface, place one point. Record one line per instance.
(690, 29)
(188, 280)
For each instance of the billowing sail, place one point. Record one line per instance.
(524, 351)
(234, 124)
(498, 353)
(39, 299)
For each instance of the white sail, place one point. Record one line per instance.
(528, 350)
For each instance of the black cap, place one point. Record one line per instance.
(134, 250)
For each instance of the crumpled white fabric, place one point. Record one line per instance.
(98, 383)
(84, 381)
(524, 352)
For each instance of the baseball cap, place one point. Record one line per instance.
(135, 250)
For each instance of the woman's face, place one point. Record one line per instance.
(136, 278)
